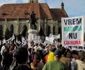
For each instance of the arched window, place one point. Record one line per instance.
(48, 30)
(7, 34)
(12, 29)
(41, 32)
(1, 32)
(59, 30)
(24, 31)
(1, 28)
(53, 30)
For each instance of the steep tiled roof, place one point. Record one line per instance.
(58, 13)
(45, 11)
(13, 11)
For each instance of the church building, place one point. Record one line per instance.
(15, 18)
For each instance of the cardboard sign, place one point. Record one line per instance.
(73, 31)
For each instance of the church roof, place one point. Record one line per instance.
(22, 11)
(58, 13)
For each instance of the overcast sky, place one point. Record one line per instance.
(72, 7)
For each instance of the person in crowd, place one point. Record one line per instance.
(68, 57)
(32, 45)
(51, 54)
(55, 64)
(73, 59)
(14, 62)
(40, 64)
(40, 47)
(84, 62)
(80, 63)
(41, 57)
(31, 55)
(75, 54)
(46, 52)
(3, 48)
(1, 67)
(11, 47)
(63, 58)
(7, 59)
(36, 47)
(33, 64)
(22, 59)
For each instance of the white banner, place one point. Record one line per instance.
(73, 31)
(49, 40)
(37, 39)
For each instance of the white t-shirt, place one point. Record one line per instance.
(35, 48)
(80, 65)
(2, 49)
(73, 63)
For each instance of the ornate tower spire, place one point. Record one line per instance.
(33, 1)
(62, 5)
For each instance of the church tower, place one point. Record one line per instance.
(62, 6)
(33, 1)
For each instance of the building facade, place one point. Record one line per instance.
(15, 18)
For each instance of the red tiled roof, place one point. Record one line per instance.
(45, 11)
(13, 11)
(58, 13)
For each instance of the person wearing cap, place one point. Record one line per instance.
(54, 64)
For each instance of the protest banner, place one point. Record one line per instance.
(37, 39)
(73, 31)
(49, 40)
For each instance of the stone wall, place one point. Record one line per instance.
(19, 24)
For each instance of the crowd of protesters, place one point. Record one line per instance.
(40, 57)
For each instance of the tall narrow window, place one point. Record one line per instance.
(12, 29)
(1, 32)
(41, 33)
(24, 32)
(48, 30)
(53, 30)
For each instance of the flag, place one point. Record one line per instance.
(13, 37)
(23, 41)
(58, 36)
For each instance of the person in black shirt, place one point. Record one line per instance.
(22, 58)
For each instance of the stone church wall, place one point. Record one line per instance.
(19, 25)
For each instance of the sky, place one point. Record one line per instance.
(72, 7)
